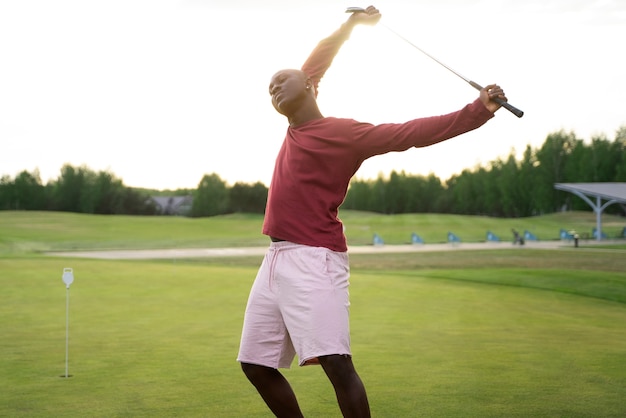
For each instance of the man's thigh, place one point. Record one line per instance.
(264, 339)
(314, 301)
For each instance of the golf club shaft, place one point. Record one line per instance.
(517, 112)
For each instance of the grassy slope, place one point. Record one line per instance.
(41, 231)
(433, 228)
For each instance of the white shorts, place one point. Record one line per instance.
(298, 304)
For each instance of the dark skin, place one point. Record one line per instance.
(280, 398)
(293, 96)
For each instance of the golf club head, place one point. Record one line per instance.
(355, 10)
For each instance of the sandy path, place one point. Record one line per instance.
(260, 251)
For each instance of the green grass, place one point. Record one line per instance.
(462, 349)
(145, 339)
(507, 333)
(433, 228)
(26, 232)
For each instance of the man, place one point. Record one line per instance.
(299, 301)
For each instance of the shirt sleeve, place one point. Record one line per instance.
(379, 139)
(322, 56)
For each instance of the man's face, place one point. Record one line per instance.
(288, 89)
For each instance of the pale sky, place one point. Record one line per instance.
(161, 92)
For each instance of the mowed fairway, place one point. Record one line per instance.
(505, 333)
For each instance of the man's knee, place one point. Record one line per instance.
(338, 366)
(255, 372)
(337, 360)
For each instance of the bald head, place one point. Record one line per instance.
(292, 91)
(289, 72)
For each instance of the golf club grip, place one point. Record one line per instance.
(517, 112)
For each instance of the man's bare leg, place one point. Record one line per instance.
(348, 386)
(274, 389)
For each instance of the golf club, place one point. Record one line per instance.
(517, 112)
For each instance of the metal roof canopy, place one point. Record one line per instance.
(611, 192)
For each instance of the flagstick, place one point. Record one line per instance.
(67, 329)
(68, 279)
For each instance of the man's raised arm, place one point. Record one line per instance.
(322, 56)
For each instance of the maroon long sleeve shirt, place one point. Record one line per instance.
(318, 158)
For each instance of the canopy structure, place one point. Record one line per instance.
(609, 192)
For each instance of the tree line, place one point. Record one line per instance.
(82, 190)
(503, 188)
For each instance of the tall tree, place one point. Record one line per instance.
(68, 188)
(604, 159)
(396, 193)
(526, 183)
(508, 187)
(248, 198)
(578, 163)
(357, 197)
(551, 159)
(108, 194)
(464, 192)
(29, 192)
(432, 198)
(6, 192)
(377, 198)
(620, 149)
(487, 198)
(211, 197)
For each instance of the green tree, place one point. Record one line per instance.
(463, 193)
(136, 202)
(486, 197)
(525, 182)
(377, 198)
(420, 194)
(248, 198)
(358, 195)
(6, 192)
(79, 189)
(620, 149)
(431, 199)
(108, 194)
(396, 194)
(66, 193)
(25, 192)
(211, 197)
(575, 170)
(552, 159)
(508, 187)
(604, 159)
(29, 193)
